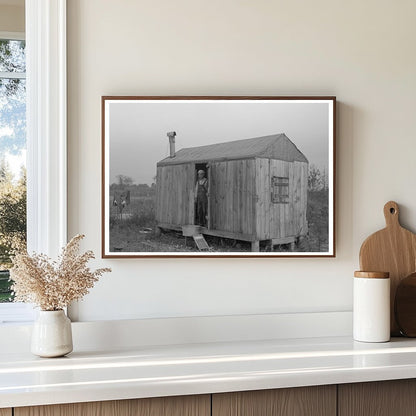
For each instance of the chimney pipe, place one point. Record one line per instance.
(171, 136)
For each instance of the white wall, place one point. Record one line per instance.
(361, 51)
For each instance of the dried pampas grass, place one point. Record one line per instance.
(53, 285)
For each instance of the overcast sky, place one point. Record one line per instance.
(138, 130)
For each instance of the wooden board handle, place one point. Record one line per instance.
(391, 214)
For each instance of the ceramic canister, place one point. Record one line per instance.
(371, 309)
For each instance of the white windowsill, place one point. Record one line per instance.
(16, 313)
(157, 357)
(154, 371)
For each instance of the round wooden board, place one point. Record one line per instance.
(405, 306)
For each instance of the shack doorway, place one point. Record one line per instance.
(202, 192)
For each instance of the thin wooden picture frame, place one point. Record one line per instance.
(256, 158)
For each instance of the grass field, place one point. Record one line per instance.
(317, 215)
(5, 293)
(134, 229)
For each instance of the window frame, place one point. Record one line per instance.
(46, 121)
(46, 125)
(12, 35)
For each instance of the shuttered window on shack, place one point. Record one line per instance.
(280, 190)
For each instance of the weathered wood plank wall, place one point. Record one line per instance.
(232, 196)
(263, 192)
(278, 220)
(175, 194)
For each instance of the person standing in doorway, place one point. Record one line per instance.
(201, 197)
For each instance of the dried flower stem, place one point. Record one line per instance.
(53, 285)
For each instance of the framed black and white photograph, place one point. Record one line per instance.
(218, 176)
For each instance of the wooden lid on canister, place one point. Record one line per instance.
(372, 275)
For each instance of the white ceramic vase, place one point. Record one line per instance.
(52, 334)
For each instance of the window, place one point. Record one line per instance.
(46, 133)
(12, 155)
(280, 190)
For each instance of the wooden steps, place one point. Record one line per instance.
(200, 242)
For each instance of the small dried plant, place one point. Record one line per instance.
(52, 285)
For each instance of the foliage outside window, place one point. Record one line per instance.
(12, 156)
(280, 190)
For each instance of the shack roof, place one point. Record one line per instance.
(275, 146)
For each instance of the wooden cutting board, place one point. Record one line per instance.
(393, 250)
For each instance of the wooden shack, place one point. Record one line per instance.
(257, 189)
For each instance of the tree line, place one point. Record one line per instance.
(126, 183)
(317, 179)
(12, 213)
